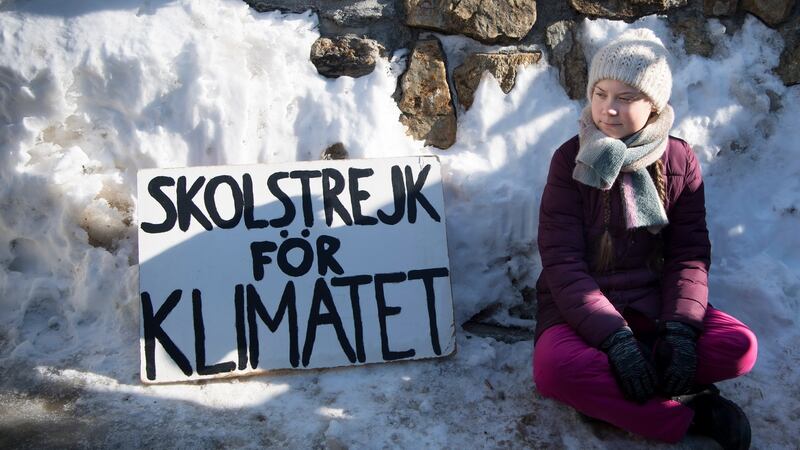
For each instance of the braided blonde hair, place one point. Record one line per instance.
(604, 259)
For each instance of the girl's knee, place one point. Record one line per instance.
(549, 374)
(746, 347)
(740, 349)
(730, 352)
(559, 372)
(544, 379)
(563, 363)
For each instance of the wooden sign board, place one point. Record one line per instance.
(244, 269)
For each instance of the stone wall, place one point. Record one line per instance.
(354, 33)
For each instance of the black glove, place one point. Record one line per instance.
(676, 356)
(635, 375)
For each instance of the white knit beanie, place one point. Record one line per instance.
(637, 58)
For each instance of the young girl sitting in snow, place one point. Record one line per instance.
(625, 333)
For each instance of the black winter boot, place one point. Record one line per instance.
(718, 418)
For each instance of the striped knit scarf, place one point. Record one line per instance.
(601, 159)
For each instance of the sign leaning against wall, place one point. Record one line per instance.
(245, 269)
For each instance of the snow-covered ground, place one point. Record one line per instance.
(92, 91)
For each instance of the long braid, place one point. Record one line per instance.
(656, 170)
(605, 246)
(657, 174)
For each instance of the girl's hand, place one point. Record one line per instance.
(676, 354)
(634, 374)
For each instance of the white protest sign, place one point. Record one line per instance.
(244, 269)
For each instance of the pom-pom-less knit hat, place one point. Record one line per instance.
(637, 58)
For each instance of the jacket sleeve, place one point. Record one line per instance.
(687, 250)
(563, 250)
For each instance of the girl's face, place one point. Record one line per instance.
(618, 109)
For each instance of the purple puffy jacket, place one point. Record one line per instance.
(570, 224)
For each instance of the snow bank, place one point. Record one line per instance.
(91, 92)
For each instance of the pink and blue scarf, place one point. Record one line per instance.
(602, 159)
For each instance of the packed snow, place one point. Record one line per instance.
(93, 91)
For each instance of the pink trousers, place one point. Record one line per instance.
(569, 370)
